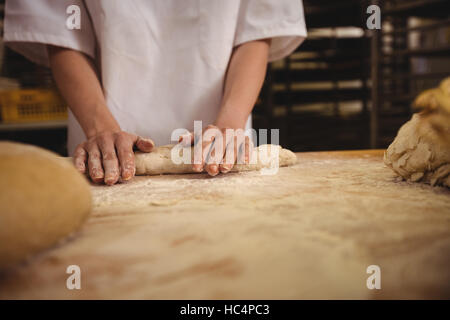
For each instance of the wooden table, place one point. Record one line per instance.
(310, 231)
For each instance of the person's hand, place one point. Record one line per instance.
(219, 150)
(108, 156)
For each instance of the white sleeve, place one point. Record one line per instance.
(32, 24)
(281, 20)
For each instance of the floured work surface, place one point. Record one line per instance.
(308, 232)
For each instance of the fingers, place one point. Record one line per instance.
(80, 158)
(248, 149)
(126, 158)
(209, 154)
(230, 155)
(245, 151)
(201, 151)
(124, 146)
(206, 153)
(197, 164)
(216, 152)
(109, 158)
(220, 149)
(94, 162)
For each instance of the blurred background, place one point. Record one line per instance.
(346, 87)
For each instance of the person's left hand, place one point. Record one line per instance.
(220, 149)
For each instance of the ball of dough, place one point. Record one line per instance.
(43, 198)
(419, 154)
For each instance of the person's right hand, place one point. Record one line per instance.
(109, 157)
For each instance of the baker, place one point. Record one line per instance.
(134, 71)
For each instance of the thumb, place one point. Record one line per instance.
(144, 144)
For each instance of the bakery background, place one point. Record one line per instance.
(344, 88)
(310, 231)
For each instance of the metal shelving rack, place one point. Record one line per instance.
(402, 69)
(391, 67)
(307, 94)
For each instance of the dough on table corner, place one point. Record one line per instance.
(421, 150)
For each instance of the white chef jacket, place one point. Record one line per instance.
(162, 62)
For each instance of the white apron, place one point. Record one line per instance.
(162, 62)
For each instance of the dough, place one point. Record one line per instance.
(43, 199)
(435, 105)
(418, 153)
(159, 161)
(436, 98)
(421, 150)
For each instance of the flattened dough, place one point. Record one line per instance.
(159, 161)
(418, 153)
(43, 199)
